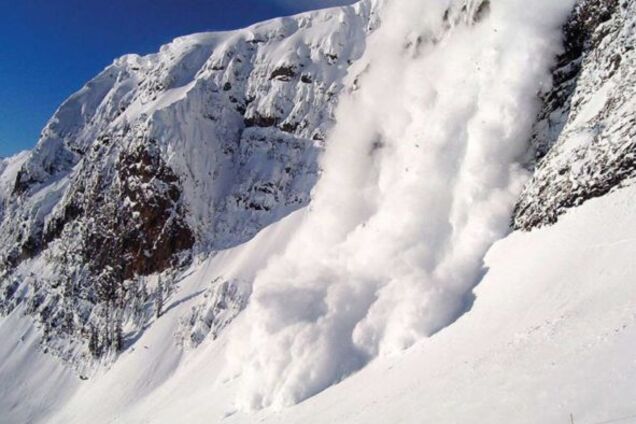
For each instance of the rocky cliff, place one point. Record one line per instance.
(585, 139)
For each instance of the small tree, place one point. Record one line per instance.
(118, 339)
(160, 296)
(93, 344)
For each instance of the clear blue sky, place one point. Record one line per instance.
(50, 48)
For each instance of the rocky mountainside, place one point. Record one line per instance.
(162, 158)
(585, 138)
(164, 161)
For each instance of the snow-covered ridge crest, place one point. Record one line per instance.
(420, 176)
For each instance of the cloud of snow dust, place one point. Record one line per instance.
(420, 176)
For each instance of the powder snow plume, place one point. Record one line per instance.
(420, 176)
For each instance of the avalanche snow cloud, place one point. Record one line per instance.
(420, 176)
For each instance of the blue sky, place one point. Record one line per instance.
(50, 48)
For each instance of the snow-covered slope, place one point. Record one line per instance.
(9, 168)
(412, 199)
(551, 333)
(294, 222)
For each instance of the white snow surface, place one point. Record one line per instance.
(552, 332)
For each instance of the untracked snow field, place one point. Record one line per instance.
(552, 332)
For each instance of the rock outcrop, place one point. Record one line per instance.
(585, 139)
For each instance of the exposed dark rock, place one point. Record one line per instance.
(55, 227)
(144, 235)
(482, 11)
(258, 120)
(22, 183)
(284, 73)
(289, 127)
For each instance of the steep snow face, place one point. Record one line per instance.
(165, 157)
(420, 176)
(586, 139)
(9, 168)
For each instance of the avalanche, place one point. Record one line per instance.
(420, 176)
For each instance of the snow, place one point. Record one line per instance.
(9, 168)
(595, 105)
(178, 98)
(552, 332)
(32, 384)
(418, 181)
(397, 294)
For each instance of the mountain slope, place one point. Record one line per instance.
(551, 334)
(585, 137)
(163, 158)
(303, 213)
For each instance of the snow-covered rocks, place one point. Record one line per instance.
(165, 157)
(586, 137)
(221, 304)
